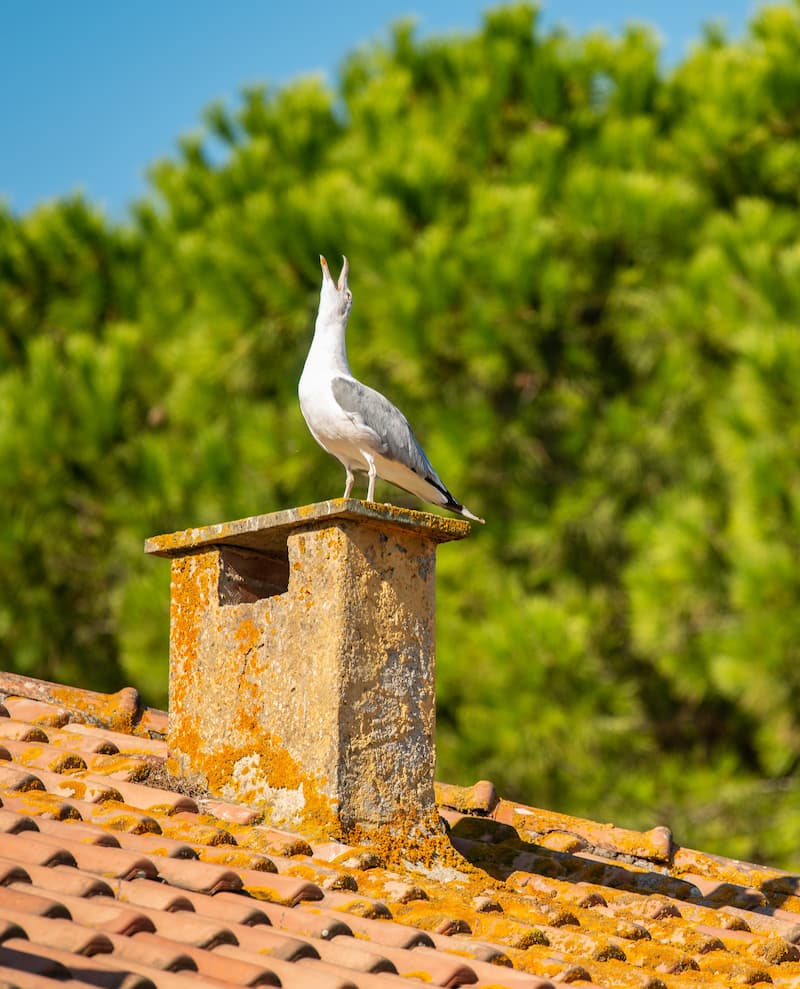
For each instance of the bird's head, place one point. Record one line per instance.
(335, 298)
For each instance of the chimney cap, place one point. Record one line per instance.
(268, 533)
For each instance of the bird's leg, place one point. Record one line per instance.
(348, 486)
(372, 475)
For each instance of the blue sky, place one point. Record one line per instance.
(92, 92)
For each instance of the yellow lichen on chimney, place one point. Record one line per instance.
(313, 701)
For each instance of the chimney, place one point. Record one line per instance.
(302, 648)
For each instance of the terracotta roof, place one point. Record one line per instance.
(110, 877)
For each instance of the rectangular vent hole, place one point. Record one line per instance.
(246, 576)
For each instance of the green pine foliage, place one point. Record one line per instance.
(579, 275)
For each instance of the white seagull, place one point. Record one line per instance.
(354, 423)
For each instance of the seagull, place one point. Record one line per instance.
(355, 423)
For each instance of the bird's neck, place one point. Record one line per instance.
(329, 346)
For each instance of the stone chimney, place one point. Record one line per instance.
(302, 653)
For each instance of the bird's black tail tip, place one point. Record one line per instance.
(454, 506)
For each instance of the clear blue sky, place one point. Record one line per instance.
(94, 91)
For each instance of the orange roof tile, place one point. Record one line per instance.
(111, 877)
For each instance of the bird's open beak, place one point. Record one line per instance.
(326, 275)
(344, 273)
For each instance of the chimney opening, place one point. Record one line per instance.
(246, 576)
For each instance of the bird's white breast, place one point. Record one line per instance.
(329, 424)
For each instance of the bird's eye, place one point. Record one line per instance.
(348, 295)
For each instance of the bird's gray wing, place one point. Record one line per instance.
(394, 437)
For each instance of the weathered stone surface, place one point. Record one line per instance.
(268, 533)
(302, 652)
